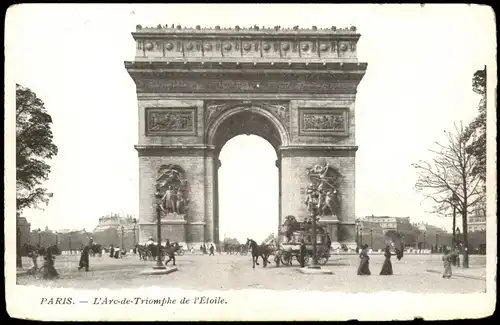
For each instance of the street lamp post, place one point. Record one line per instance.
(135, 224)
(371, 238)
(123, 247)
(69, 244)
(424, 239)
(357, 232)
(313, 213)
(57, 240)
(19, 262)
(361, 236)
(159, 264)
(39, 237)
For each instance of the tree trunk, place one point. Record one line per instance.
(466, 240)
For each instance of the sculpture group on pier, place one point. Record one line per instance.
(322, 196)
(171, 184)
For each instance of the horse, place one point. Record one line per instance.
(258, 251)
(141, 251)
(400, 252)
(96, 249)
(170, 251)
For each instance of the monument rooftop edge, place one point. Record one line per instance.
(253, 30)
(292, 44)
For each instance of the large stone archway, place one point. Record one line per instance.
(198, 88)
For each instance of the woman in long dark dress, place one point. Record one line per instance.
(387, 266)
(364, 268)
(84, 259)
(112, 251)
(49, 270)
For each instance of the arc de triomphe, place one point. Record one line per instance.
(197, 88)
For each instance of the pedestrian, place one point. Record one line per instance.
(84, 259)
(112, 251)
(211, 250)
(302, 254)
(456, 253)
(49, 270)
(34, 258)
(364, 268)
(447, 261)
(387, 266)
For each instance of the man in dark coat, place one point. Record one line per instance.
(211, 249)
(303, 252)
(84, 259)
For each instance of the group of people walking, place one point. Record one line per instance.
(364, 264)
(203, 249)
(449, 258)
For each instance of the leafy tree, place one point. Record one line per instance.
(34, 146)
(448, 180)
(475, 132)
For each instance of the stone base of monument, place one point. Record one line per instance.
(158, 271)
(314, 270)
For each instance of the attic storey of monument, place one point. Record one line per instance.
(197, 88)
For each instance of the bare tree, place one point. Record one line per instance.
(449, 180)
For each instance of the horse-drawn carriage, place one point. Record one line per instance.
(292, 234)
(150, 251)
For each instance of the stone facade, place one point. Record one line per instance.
(24, 230)
(197, 88)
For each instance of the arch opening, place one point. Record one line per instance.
(248, 186)
(247, 176)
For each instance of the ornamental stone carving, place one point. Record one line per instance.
(280, 109)
(170, 121)
(172, 185)
(200, 85)
(319, 122)
(323, 190)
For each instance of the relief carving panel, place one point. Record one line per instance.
(323, 121)
(171, 121)
(174, 85)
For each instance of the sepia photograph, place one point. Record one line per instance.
(250, 162)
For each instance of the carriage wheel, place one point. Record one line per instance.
(286, 259)
(322, 260)
(181, 252)
(149, 255)
(39, 273)
(306, 259)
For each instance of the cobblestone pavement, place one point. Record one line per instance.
(226, 272)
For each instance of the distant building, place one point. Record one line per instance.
(387, 223)
(432, 235)
(114, 221)
(476, 221)
(24, 229)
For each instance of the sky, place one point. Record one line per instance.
(418, 83)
